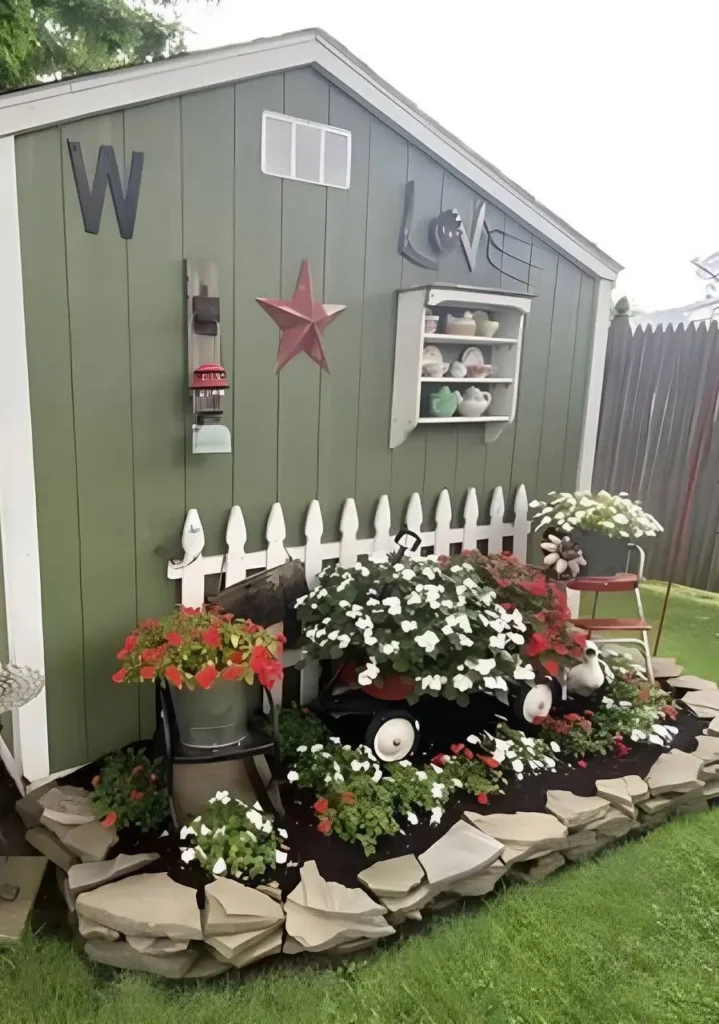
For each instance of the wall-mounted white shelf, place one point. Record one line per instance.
(411, 390)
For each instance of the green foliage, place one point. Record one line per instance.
(474, 776)
(130, 789)
(298, 729)
(40, 38)
(231, 838)
(362, 813)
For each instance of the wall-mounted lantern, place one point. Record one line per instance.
(208, 379)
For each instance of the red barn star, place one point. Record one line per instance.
(301, 322)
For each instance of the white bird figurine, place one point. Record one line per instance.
(584, 679)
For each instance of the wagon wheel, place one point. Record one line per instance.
(392, 735)
(530, 702)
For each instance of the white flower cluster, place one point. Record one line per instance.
(254, 818)
(614, 515)
(519, 753)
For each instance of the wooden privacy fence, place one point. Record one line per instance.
(236, 563)
(660, 390)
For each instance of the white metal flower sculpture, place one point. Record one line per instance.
(562, 555)
(18, 685)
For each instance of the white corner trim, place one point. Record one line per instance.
(594, 387)
(12, 767)
(56, 102)
(18, 512)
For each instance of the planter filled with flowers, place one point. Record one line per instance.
(208, 661)
(600, 525)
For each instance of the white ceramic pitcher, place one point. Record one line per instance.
(474, 403)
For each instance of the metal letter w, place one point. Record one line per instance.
(106, 172)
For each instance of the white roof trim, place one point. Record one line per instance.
(29, 109)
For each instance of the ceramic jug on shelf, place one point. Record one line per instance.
(444, 402)
(474, 403)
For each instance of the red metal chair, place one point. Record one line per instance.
(623, 582)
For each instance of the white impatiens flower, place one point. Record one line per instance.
(414, 598)
(421, 775)
(282, 832)
(255, 818)
(356, 766)
(412, 818)
(474, 740)
(204, 830)
(408, 625)
(188, 855)
(555, 747)
(390, 648)
(462, 683)
(220, 867)
(436, 815)
(436, 768)
(280, 857)
(302, 749)
(368, 673)
(517, 765)
(524, 672)
(377, 775)
(498, 641)
(187, 830)
(292, 776)
(438, 789)
(427, 640)
(316, 747)
(343, 642)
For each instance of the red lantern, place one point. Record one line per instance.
(209, 383)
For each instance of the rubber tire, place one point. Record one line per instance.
(379, 721)
(520, 696)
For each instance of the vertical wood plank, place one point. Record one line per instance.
(383, 275)
(208, 192)
(258, 240)
(345, 243)
(304, 209)
(40, 192)
(559, 376)
(157, 359)
(580, 381)
(99, 332)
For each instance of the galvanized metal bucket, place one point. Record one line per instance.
(216, 717)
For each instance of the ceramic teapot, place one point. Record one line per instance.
(444, 402)
(474, 403)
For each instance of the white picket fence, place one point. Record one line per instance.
(236, 562)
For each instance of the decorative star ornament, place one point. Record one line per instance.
(301, 322)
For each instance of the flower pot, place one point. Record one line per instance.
(211, 718)
(393, 687)
(605, 556)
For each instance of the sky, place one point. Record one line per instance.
(603, 110)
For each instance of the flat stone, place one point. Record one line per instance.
(247, 947)
(316, 932)
(614, 824)
(156, 947)
(26, 874)
(91, 930)
(397, 876)
(272, 889)
(692, 683)
(707, 750)
(713, 728)
(57, 828)
(674, 772)
(207, 966)
(624, 792)
(666, 668)
(537, 870)
(575, 811)
(358, 946)
(331, 898)
(121, 954)
(462, 851)
(711, 790)
(68, 805)
(151, 905)
(691, 807)
(481, 884)
(84, 877)
(64, 887)
(702, 703)
(401, 907)
(587, 844)
(51, 847)
(29, 807)
(91, 842)
(661, 806)
(525, 835)
(232, 908)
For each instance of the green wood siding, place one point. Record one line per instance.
(106, 351)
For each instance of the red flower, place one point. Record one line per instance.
(536, 644)
(491, 762)
(440, 760)
(228, 617)
(585, 724)
(670, 712)
(468, 754)
(233, 672)
(174, 676)
(119, 676)
(251, 627)
(211, 637)
(149, 624)
(236, 657)
(281, 638)
(153, 777)
(324, 826)
(456, 748)
(643, 694)
(136, 794)
(206, 676)
(482, 798)
(136, 770)
(267, 669)
(190, 611)
(150, 655)
(321, 805)
(174, 638)
(109, 820)
(540, 720)
(131, 642)
(96, 782)
(572, 717)
(348, 798)
(581, 764)
(551, 666)
(560, 649)
(147, 672)
(589, 714)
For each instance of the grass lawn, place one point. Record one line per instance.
(691, 628)
(632, 938)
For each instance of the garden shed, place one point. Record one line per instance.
(143, 211)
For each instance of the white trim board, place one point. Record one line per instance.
(12, 768)
(592, 409)
(18, 511)
(28, 109)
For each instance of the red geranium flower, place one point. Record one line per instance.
(551, 666)
(581, 764)
(147, 672)
(236, 657)
(491, 762)
(572, 717)
(589, 714)
(109, 820)
(119, 676)
(456, 748)
(190, 611)
(348, 798)
(540, 720)
(174, 676)
(468, 754)
(251, 627)
(211, 637)
(560, 649)
(233, 672)
(482, 798)
(136, 770)
(267, 668)
(440, 760)
(321, 805)
(670, 712)
(149, 623)
(96, 782)
(206, 676)
(131, 642)
(136, 794)
(174, 638)
(324, 826)
(536, 644)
